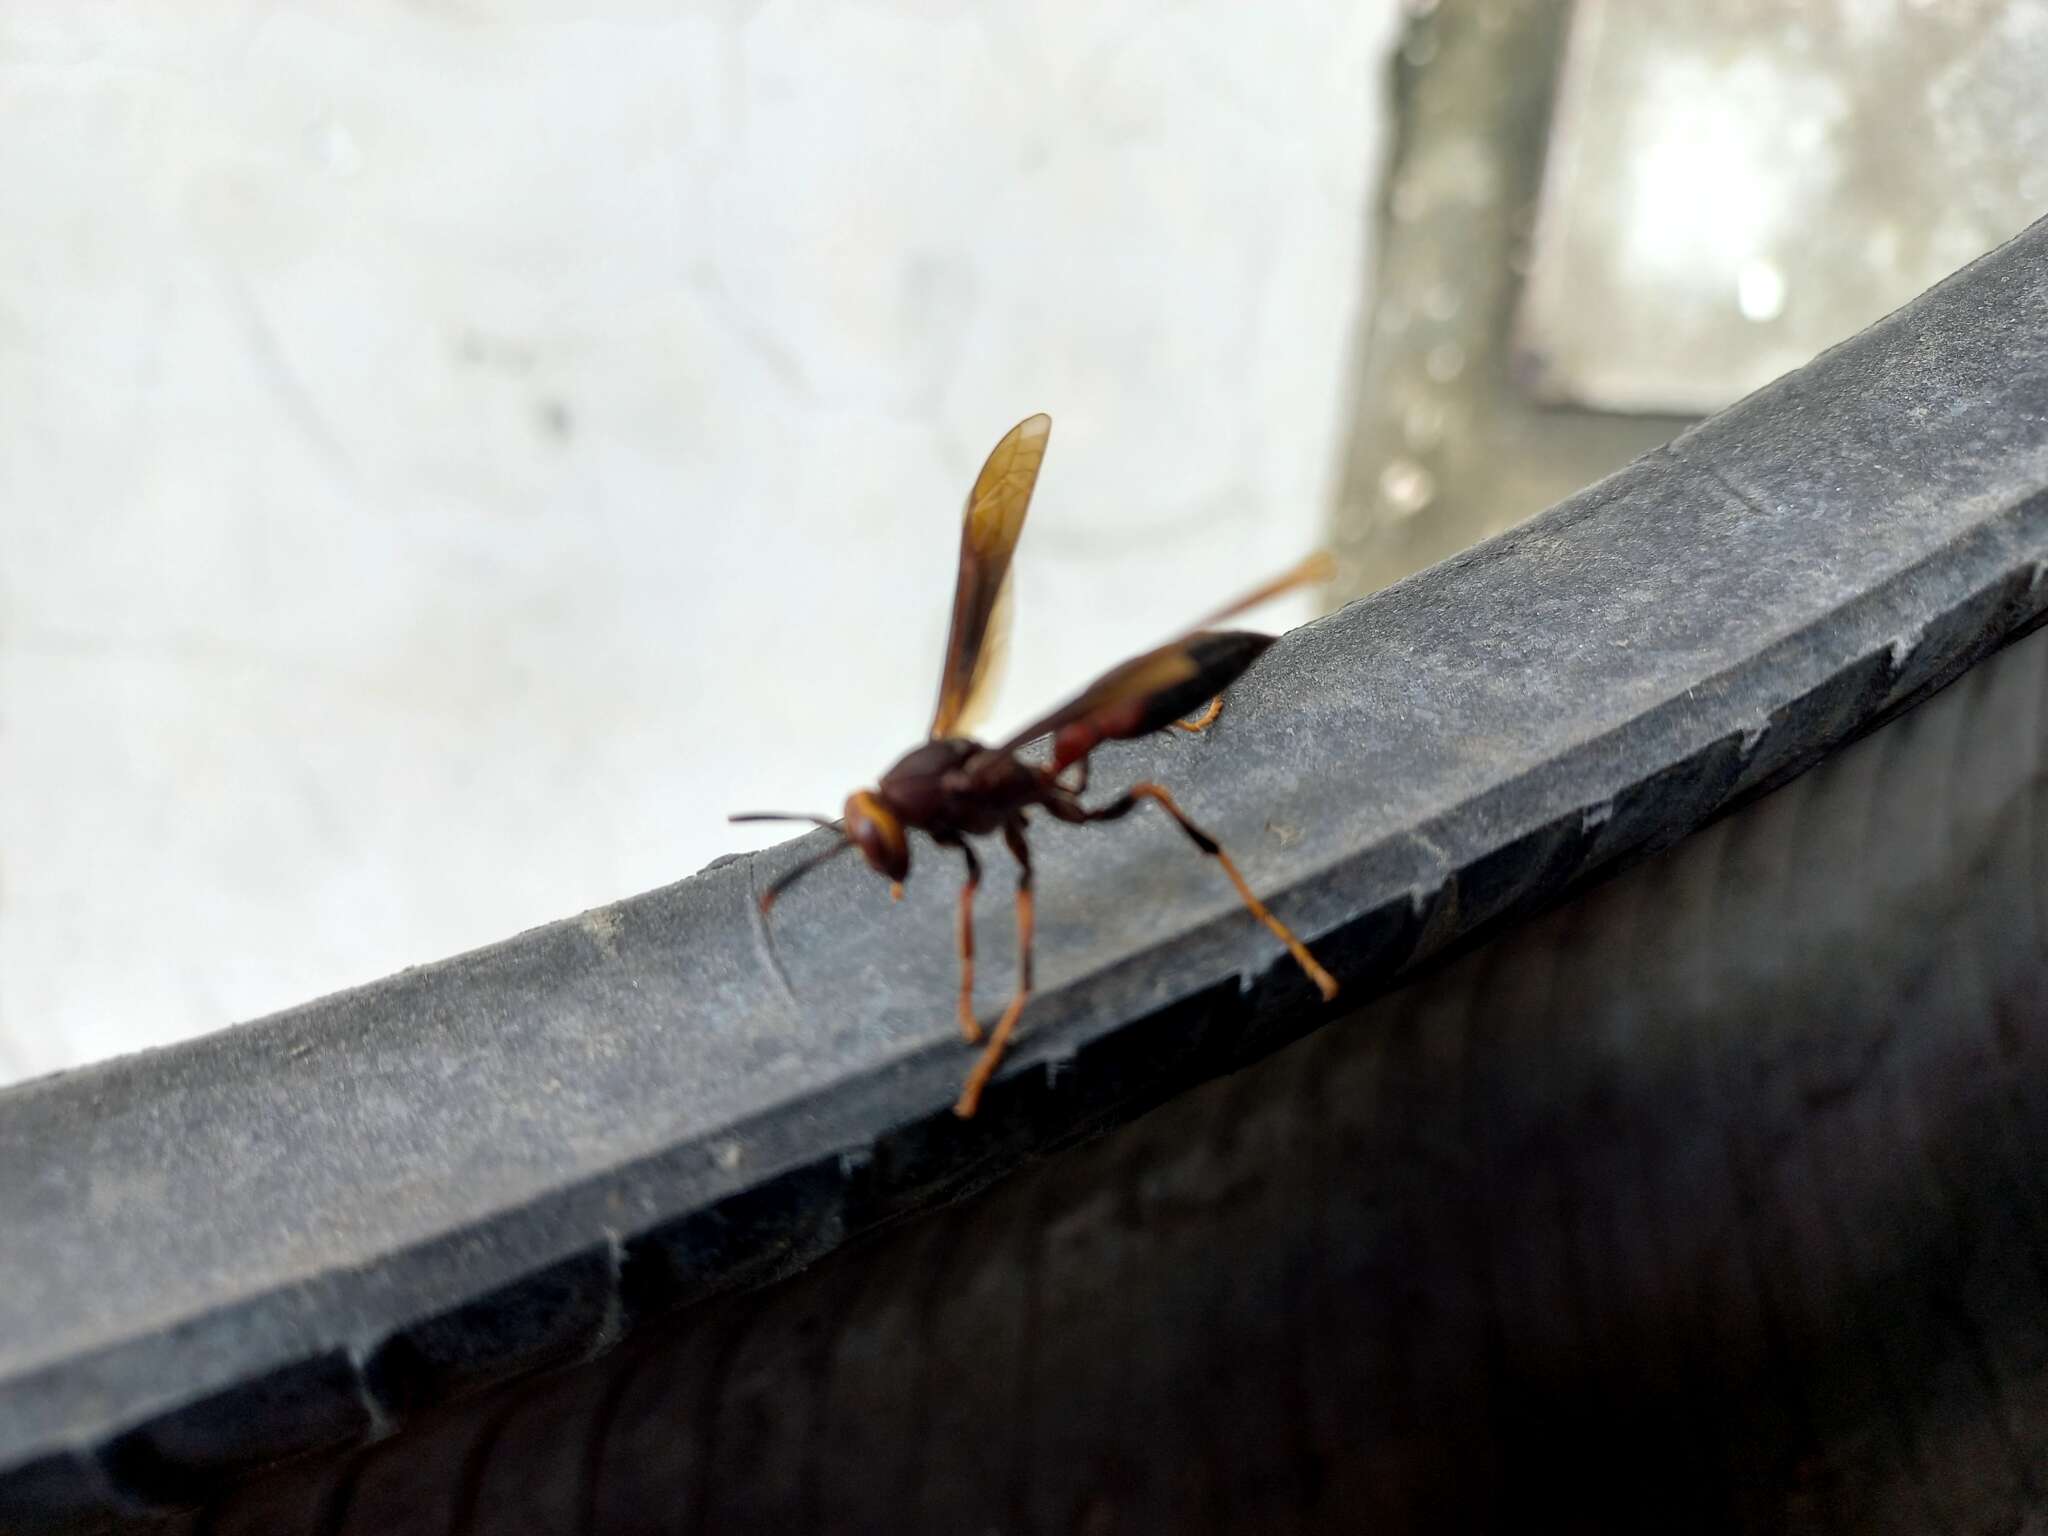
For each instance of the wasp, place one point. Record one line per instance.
(952, 788)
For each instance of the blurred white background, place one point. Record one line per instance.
(452, 454)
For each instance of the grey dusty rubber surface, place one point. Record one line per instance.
(319, 1228)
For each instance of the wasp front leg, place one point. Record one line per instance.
(969, 1025)
(999, 1041)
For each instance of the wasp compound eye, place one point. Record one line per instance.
(878, 833)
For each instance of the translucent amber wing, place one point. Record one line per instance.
(1171, 664)
(994, 519)
(1138, 678)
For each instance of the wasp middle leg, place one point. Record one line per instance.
(1204, 720)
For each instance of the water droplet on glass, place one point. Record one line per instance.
(1760, 290)
(1406, 487)
(1440, 301)
(1420, 48)
(1446, 360)
(1422, 425)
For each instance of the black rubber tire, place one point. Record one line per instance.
(1706, 1200)
(1713, 1200)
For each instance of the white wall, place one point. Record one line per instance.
(451, 454)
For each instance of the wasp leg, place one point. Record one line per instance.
(1325, 982)
(1061, 792)
(998, 1042)
(1203, 721)
(969, 1025)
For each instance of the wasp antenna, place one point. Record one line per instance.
(816, 821)
(786, 881)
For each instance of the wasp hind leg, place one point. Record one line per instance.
(998, 1042)
(1128, 802)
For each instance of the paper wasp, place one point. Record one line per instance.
(952, 788)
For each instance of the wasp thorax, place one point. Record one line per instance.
(878, 833)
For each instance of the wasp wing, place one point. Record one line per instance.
(989, 665)
(1146, 692)
(988, 536)
(1150, 691)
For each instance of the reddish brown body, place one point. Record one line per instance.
(958, 788)
(952, 788)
